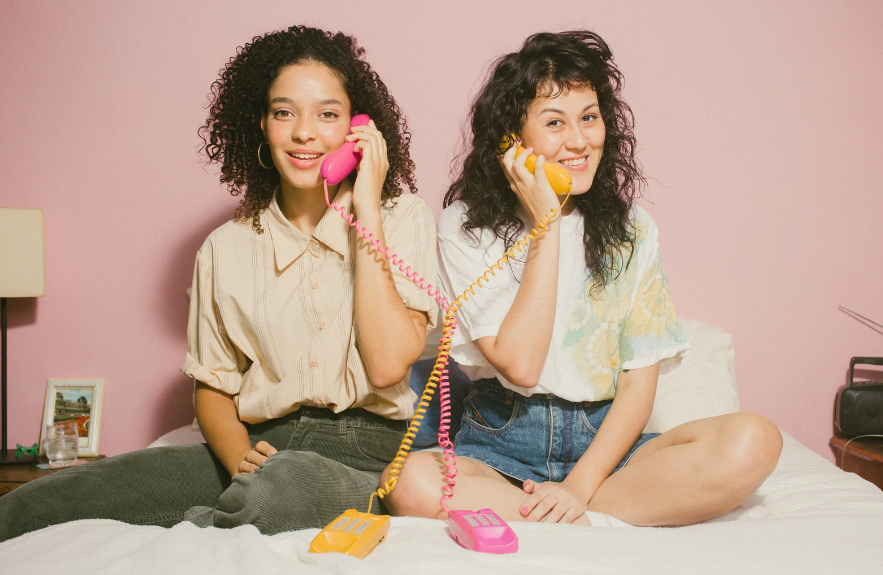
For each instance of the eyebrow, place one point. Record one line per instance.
(284, 100)
(557, 111)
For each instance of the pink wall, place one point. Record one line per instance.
(759, 125)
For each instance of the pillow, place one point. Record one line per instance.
(700, 383)
(182, 436)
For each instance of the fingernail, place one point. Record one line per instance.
(524, 510)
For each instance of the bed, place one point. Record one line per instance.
(808, 517)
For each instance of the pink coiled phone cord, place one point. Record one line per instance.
(439, 375)
(419, 281)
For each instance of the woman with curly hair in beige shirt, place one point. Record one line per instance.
(300, 336)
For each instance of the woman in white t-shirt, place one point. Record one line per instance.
(564, 345)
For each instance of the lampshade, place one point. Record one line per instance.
(21, 252)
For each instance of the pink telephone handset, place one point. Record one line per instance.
(340, 163)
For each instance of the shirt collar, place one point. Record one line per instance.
(289, 243)
(333, 230)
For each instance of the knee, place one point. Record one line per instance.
(291, 476)
(286, 492)
(418, 488)
(298, 467)
(751, 446)
(281, 473)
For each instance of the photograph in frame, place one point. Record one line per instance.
(76, 400)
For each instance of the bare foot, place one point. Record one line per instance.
(583, 520)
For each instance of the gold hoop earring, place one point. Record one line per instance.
(261, 162)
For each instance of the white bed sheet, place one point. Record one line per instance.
(808, 517)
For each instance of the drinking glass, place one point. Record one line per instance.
(62, 444)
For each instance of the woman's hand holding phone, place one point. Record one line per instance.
(372, 168)
(533, 190)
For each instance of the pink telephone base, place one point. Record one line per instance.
(483, 531)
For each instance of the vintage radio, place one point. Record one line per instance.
(858, 409)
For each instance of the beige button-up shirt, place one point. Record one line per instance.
(272, 316)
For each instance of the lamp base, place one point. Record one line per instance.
(9, 459)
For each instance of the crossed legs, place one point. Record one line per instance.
(696, 471)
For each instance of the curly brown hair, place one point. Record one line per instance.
(546, 65)
(232, 133)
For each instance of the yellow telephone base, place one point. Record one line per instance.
(352, 533)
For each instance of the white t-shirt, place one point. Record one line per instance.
(630, 324)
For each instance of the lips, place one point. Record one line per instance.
(575, 164)
(304, 159)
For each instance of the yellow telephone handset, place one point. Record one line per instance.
(558, 176)
(352, 533)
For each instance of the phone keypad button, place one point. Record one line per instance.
(361, 528)
(339, 523)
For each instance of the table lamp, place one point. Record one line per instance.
(21, 275)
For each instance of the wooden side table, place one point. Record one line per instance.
(864, 457)
(12, 476)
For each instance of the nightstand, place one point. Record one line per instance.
(864, 457)
(12, 476)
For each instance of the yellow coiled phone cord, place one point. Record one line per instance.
(438, 377)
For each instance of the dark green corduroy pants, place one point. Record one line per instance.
(327, 463)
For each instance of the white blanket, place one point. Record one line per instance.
(808, 517)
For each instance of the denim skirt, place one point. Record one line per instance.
(539, 437)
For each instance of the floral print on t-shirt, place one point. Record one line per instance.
(627, 324)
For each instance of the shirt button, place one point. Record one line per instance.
(314, 363)
(314, 285)
(322, 325)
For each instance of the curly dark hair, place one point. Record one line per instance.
(547, 65)
(232, 133)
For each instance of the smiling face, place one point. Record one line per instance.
(308, 117)
(567, 129)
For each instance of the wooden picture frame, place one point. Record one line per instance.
(75, 399)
